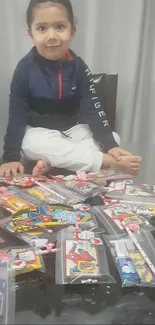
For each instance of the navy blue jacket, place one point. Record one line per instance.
(53, 95)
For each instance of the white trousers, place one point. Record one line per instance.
(74, 149)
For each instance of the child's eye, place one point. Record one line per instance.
(60, 26)
(41, 28)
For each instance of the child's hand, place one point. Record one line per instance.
(11, 169)
(118, 152)
(130, 164)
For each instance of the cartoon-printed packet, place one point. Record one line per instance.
(145, 210)
(134, 257)
(23, 181)
(128, 190)
(37, 237)
(81, 258)
(53, 192)
(11, 202)
(82, 186)
(22, 260)
(45, 195)
(54, 215)
(104, 175)
(7, 294)
(116, 217)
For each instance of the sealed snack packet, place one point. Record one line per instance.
(11, 202)
(81, 258)
(84, 187)
(114, 218)
(133, 258)
(146, 210)
(49, 216)
(71, 196)
(22, 181)
(143, 209)
(21, 194)
(129, 190)
(7, 294)
(45, 195)
(104, 175)
(37, 237)
(22, 260)
(52, 192)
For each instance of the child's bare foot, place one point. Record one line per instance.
(41, 168)
(131, 164)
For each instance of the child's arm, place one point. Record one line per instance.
(18, 115)
(92, 110)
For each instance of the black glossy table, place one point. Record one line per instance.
(40, 301)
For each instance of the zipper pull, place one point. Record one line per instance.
(60, 81)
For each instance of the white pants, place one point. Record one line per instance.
(74, 149)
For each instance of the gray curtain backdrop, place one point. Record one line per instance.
(113, 36)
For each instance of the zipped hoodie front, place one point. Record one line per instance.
(54, 95)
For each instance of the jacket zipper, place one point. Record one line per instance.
(60, 82)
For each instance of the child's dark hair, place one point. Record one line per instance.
(34, 3)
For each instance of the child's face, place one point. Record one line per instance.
(51, 31)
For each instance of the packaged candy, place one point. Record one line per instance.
(128, 190)
(45, 194)
(24, 195)
(7, 294)
(143, 209)
(134, 258)
(22, 260)
(11, 202)
(49, 216)
(37, 237)
(115, 218)
(53, 192)
(23, 181)
(86, 188)
(81, 258)
(104, 175)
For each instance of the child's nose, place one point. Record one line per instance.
(52, 35)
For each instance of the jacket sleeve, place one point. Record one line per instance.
(18, 114)
(92, 110)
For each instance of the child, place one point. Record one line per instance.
(55, 117)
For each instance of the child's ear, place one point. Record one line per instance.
(29, 32)
(73, 31)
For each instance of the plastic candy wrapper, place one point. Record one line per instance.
(22, 260)
(143, 209)
(22, 194)
(38, 237)
(134, 256)
(129, 190)
(11, 202)
(116, 217)
(110, 174)
(7, 294)
(45, 195)
(86, 188)
(81, 258)
(146, 210)
(23, 181)
(49, 216)
(51, 192)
